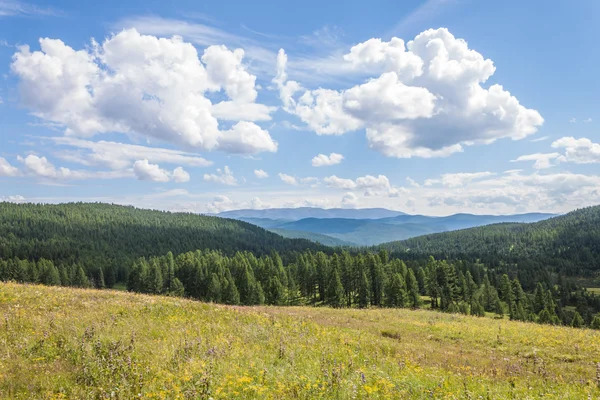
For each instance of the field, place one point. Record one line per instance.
(71, 343)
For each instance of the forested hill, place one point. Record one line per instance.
(570, 243)
(110, 234)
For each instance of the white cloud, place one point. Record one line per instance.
(6, 169)
(573, 120)
(290, 180)
(145, 171)
(224, 176)
(350, 200)
(542, 160)
(121, 155)
(322, 160)
(14, 199)
(588, 120)
(42, 168)
(412, 182)
(425, 98)
(540, 139)
(517, 192)
(222, 203)
(339, 183)
(180, 175)
(147, 86)
(19, 8)
(259, 173)
(579, 151)
(372, 185)
(458, 179)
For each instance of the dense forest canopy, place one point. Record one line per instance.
(112, 236)
(509, 269)
(568, 244)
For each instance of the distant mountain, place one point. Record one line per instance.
(313, 237)
(370, 231)
(570, 242)
(295, 214)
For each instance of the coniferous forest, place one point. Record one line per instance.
(232, 262)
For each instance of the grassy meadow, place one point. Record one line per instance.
(65, 343)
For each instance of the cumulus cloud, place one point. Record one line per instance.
(425, 98)
(579, 151)
(150, 172)
(519, 192)
(42, 168)
(350, 200)
(323, 160)
(372, 185)
(223, 203)
(145, 171)
(6, 169)
(223, 176)
(14, 199)
(260, 174)
(180, 175)
(458, 179)
(140, 84)
(290, 180)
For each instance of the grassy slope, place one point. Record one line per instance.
(86, 344)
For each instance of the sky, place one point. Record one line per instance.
(431, 107)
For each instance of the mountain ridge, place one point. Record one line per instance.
(369, 231)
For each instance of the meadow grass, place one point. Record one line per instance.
(72, 343)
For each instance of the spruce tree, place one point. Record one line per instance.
(577, 321)
(414, 298)
(363, 291)
(177, 288)
(396, 295)
(335, 290)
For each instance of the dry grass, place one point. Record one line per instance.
(68, 343)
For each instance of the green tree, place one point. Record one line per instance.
(396, 294)
(335, 290)
(363, 291)
(577, 321)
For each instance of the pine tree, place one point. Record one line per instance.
(177, 288)
(396, 295)
(335, 290)
(230, 294)
(363, 291)
(539, 296)
(80, 279)
(214, 289)
(154, 281)
(595, 323)
(414, 298)
(275, 292)
(170, 276)
(100, 284)
(577, 321)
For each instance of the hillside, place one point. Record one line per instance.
(312, 236)
(104, 234)
(570, 242)
(74, 343)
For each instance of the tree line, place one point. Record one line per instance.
(338, 280)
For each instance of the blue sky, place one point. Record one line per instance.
(431, 107)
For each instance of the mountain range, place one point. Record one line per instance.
(364, 227)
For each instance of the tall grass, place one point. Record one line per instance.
(72, 343)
